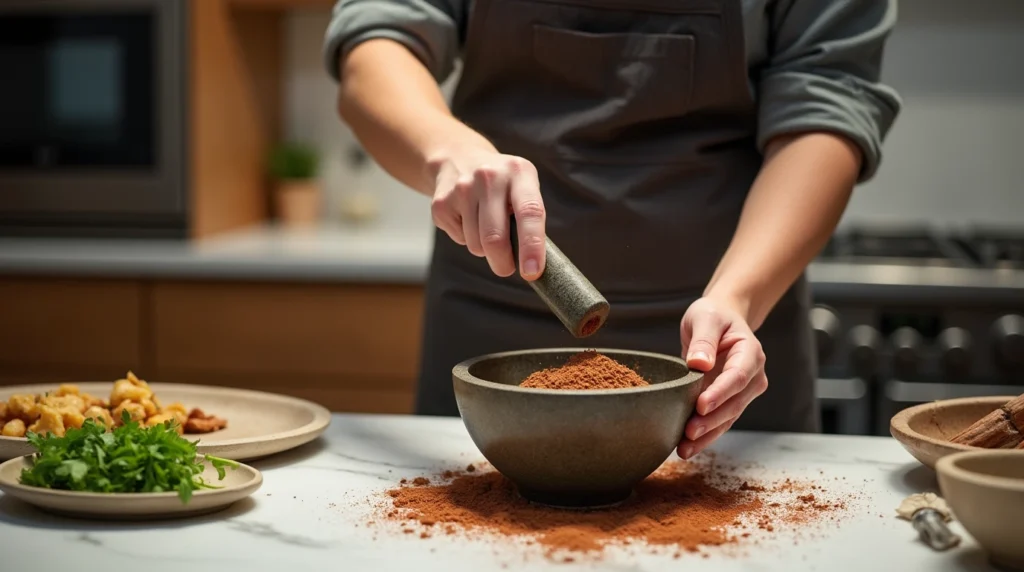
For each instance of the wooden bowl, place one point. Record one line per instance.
(925, 430)
(985, 490)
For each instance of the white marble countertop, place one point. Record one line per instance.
(310, 514)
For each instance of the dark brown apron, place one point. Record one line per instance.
(640, 120)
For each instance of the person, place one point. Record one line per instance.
(691, 157)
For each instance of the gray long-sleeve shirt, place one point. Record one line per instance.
(813, 64)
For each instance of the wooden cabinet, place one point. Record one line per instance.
(350, 347)
(69, 323)
(368, 332)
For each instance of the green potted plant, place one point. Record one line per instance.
(297, 195)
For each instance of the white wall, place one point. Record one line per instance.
(955, 155)
(310, 116)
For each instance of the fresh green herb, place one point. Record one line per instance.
(129, 459)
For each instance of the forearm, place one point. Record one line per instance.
(397, 112)
(789, 215)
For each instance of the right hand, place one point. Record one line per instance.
(475, 192)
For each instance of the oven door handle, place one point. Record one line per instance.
(837, 389)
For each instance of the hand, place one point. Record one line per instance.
(475, 191)
(717, 340)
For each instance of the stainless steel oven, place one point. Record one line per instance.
(919, 314)
(846, 406)
(93, 115)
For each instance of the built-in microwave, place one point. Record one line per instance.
(92, 117)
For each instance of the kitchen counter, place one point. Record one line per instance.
(400, 253)
(394, 254)
(310, 513)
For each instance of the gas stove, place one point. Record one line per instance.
(907, 314)
(995, 249)
(979, 248)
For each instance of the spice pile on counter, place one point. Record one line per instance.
(586, 370)
(683, 507)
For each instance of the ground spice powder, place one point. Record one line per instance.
(586, 370)
(682, 507)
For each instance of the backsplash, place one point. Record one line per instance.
(954, 156)
(311, 116)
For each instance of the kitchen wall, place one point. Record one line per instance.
(955, 155)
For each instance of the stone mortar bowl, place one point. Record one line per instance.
(574, 448)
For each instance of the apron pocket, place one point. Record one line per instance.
(598, 86)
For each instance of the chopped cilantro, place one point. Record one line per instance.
(129, 459)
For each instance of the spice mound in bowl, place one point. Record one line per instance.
(576, 428)
(586, 370)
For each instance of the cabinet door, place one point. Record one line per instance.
(366, 334)
(73, 326)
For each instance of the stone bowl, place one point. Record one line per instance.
(574, 448)
(925, 430)
(985, 490)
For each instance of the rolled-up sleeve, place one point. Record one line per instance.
(823, 73)
(430, 29)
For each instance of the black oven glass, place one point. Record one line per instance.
(78, 90)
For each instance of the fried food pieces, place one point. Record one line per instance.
(199, 422)
(67, 407)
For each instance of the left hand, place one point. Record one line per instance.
(717, 340)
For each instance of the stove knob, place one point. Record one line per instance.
(865, 342)
(905, 344)
(826, 328)
(956, 351)
(1009, 342)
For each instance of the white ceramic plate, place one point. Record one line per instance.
(238, 484)
(259, 423)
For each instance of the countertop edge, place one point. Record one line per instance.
(402, 256)
(252, 270)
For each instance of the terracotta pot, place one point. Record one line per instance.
(298, 202)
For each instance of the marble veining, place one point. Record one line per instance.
(312, 511)
(267, 531)
(88, 539)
